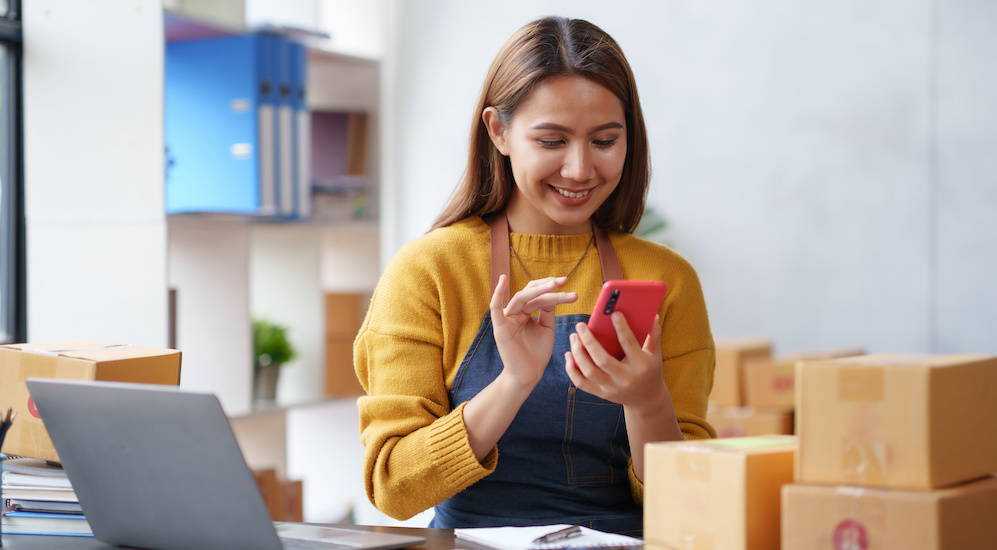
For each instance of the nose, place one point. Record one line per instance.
(577, 164)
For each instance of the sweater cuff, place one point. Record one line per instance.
(454, 458)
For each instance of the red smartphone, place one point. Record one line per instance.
(639, 301)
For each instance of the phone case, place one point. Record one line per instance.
(638, 300)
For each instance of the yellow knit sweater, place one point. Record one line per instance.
(423, 316)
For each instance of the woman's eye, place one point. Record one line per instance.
(604, 142)
(549, 143)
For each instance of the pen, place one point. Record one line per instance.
(561, 534)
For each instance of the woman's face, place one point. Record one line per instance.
(567, 143)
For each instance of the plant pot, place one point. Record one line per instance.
(265, 382)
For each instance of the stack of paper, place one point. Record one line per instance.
(38, 499)
(523, 538)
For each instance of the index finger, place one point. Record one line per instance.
(628, 342)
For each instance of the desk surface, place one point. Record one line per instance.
(436, 539)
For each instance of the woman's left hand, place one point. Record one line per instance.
(634, 381)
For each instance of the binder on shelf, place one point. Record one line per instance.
(285, 128)
(231, 109)
(302, 133)
(266, 57)
(211, 128)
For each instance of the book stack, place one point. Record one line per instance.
(38, 499)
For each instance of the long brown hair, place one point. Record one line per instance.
(552, 46)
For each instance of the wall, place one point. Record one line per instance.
(93, 147)
(285, 287)
(209, 262)
(825, 165)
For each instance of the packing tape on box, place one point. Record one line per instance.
(864, 451)
(692, 462)
(58, 352)
(864, 462)
(858, 513)
(695, 541)
(860, 384)
(861, 503)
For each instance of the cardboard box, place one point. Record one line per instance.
(750, 421)
(771, 381)
(848, 517)
(717, 493)
(73, 360)
(343, 317)
(343, 314)
(294, 501)
(728, 378)
(272, 492)
(340, 378)
(897, 420)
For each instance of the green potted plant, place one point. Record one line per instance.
(271, 349)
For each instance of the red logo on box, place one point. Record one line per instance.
(32, 409)
(850, 535)
(783, 384)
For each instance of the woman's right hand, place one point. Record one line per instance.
(525, 345)
(524, 342)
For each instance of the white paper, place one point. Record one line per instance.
(521, 538)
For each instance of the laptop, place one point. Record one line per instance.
(157, 467)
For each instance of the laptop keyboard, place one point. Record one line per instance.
(299, 544)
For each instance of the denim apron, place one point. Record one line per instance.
(564, 458)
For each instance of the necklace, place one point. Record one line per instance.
(578, 263)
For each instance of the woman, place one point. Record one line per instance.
(486, 395)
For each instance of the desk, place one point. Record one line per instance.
(436, 539)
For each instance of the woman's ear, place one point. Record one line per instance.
(496, 131)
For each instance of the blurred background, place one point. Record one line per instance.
(826, 166)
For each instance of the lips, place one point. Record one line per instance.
(572, 194)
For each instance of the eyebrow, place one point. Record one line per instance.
(559, 128)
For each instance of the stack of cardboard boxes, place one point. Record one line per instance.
(753, 390)
(895, 451)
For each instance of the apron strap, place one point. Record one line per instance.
(607, 255)
(499, 227)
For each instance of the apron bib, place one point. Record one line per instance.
(564, 457)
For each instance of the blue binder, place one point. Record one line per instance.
(223, 127)
(267, 65)
(302, 131)
(285, 129)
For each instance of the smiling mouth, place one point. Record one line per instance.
(571, 194)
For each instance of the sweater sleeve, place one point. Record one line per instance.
(417, 452)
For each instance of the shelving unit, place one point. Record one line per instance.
(228, 269)
(231, 268)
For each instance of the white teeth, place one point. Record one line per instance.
(571, 195)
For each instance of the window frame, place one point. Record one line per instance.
(13, 257)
